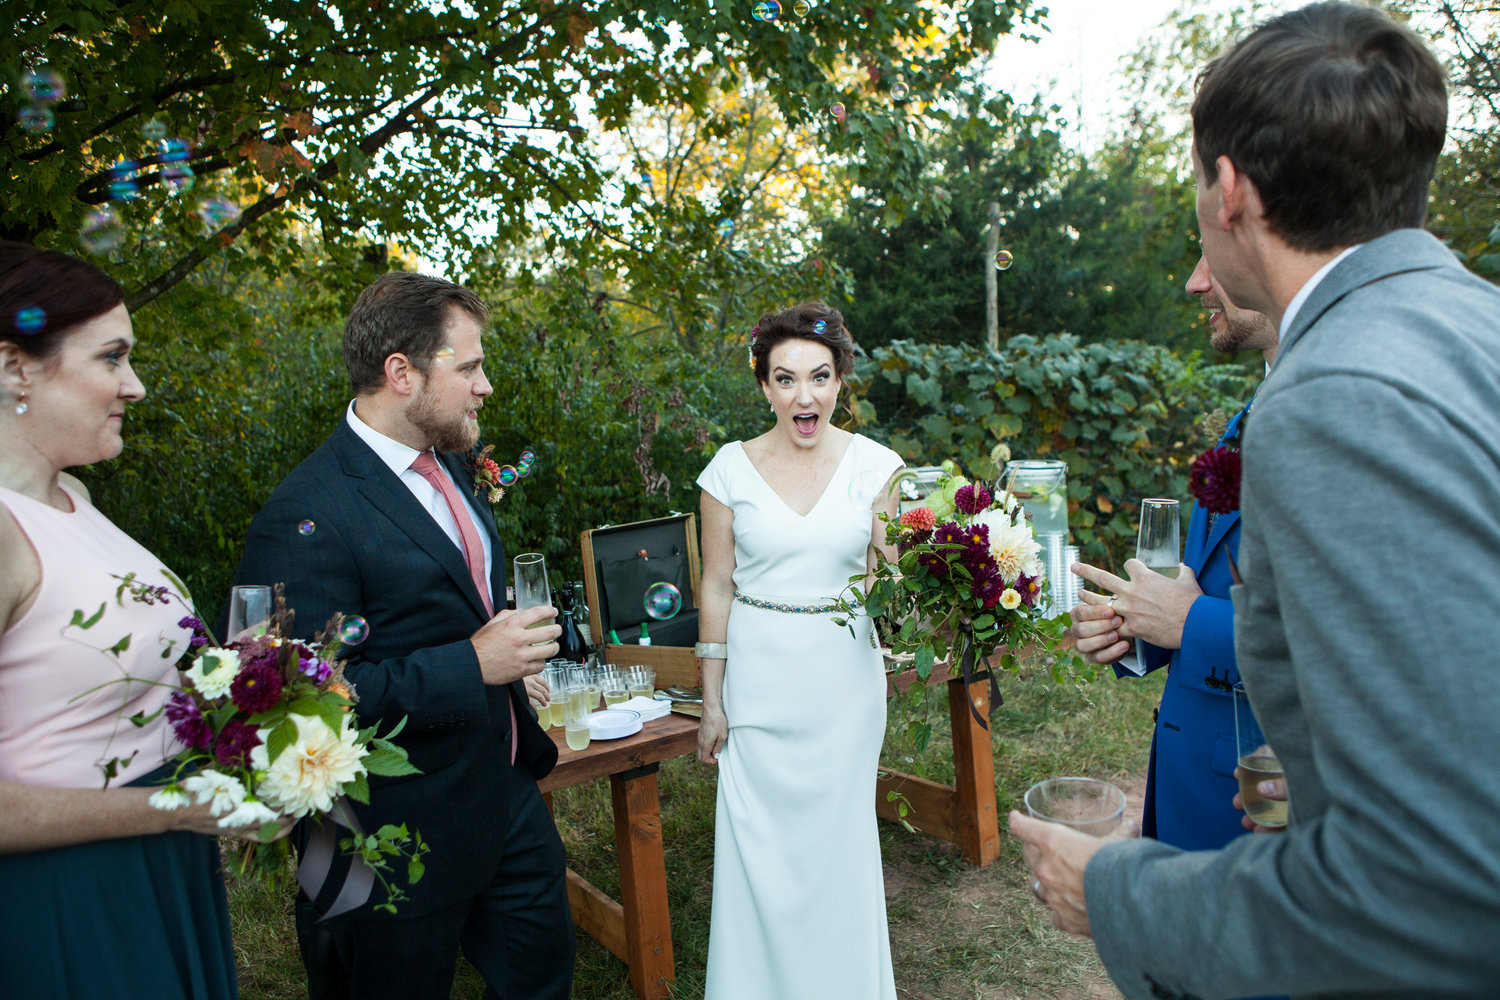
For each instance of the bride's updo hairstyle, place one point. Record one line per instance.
(809, 321)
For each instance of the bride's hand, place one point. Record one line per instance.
(712, 731)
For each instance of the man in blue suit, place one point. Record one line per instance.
(1187, 623)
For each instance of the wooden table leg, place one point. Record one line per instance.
(643, 881)
(974, 773)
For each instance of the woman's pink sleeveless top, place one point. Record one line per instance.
(65, 698)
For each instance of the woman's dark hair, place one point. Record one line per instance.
(45, 293)
(801, 323)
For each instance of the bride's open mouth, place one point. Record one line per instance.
(806, 423)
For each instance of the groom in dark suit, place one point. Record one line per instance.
(1366, 626)
(382, 521)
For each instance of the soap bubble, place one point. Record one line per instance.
(507, 475)
(444, 353)
(178, 177)
(35, 119)
(528, 456)
(899, 91)
(217, 212)
(43, 85)
(31, 319)
(661, 21)
(837, 111)
(1003, 260)
(523, 469)
(122, 186)
(773, 10)
(354, 630)
(802, 8)
(663, 600)
(820, 326)
(154, 130)
(306, 528)
(726, 228)
(175, 150)
(102, 231)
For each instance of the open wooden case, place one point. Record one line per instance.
(621, 564)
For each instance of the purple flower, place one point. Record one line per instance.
(196, 624)
(976, 540)
(972, 499)
(988, 585)
(1215, 480)
(256, 688)
(198, 642)
(235, 742)
(1028, 588)
(187, 721)
(933, 562)
(949, 533)
(314, 667)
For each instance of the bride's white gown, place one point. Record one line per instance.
(799, 892)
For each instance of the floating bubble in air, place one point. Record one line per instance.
(35, 119)
(31, 319)
(758, 12)
(661, 21)
(217, 212)
(306, 528)
(523, 469)
(122, 186)
(154, 130)
(837, 111)
(802, 8)
(773, 10)
(1004, 259)
(528, 456)
(43, 85)
(507, 475)
(176, 150)
(900, 91)
(102, 231)
(725, 227)
(178, 177)
(444, 353)
(354, 630)
(820, 326)
(663, 600)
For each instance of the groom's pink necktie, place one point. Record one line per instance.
(427, 467)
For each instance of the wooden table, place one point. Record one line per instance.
(638, 928)
(964, 813)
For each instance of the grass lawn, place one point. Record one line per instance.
(956, 931)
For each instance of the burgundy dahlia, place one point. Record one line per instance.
(933, 562)
(1028, 588)
(949, 533)
(972, 499)
(235, 742)
(1215, 480)
(187, 721)
(256, 688)
(988, 585)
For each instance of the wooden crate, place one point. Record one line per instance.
(671, 651)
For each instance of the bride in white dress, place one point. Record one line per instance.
(794, 714)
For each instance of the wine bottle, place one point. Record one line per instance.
(570, 644)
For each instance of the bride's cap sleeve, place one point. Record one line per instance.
(714, 480)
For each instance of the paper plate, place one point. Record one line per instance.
(614, 723)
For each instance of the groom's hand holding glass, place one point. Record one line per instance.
(1147, 605)
(505, 644)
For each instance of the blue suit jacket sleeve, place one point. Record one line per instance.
(1208, 635)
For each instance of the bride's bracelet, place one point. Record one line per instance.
(711, 650)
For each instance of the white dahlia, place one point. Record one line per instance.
(308, 775)
(213, 671)
(1013, 546)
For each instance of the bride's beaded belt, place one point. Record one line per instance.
(791, 609)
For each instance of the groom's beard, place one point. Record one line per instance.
(448, 431)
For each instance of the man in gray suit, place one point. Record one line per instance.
(1367, 625)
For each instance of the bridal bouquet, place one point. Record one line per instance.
(966, 578)
(269, 731)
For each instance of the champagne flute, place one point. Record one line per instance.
(249, 611)
(532, 589)
(1159, 543)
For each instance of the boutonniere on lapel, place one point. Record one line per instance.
(1215, 476)
(491, 478)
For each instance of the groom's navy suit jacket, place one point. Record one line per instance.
(374, 551)
(1191, 782)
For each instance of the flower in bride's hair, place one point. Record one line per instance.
(308, 773)
(972, 499)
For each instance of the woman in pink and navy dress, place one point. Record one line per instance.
(101, 894)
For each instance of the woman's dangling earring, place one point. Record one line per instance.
(21, 406)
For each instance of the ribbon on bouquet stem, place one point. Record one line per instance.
(317, 862)
(966, 666)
